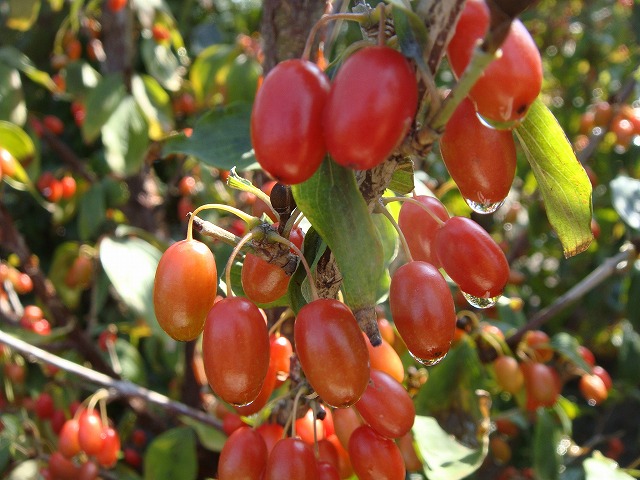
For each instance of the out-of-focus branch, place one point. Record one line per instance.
(122, 388)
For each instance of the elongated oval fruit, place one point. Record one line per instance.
(386, 406)
(243, 457)
(510, 84)
(481, 160)
(472, 258)
(286, 121)
(423, 310)
(235, 350)
(184, 288)
(419, 226)
(263, 282)
(332, 351)
(375, 457)
(371, 107)
(291, 459)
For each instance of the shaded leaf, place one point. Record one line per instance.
(599, 467)
(100, 104)
(412, 33)
(126, 138)
(13, 57)
(444, 457)
(402, 179)
(241, 81)
(22, 14)
(626, 199)
(63, 257)
(80, 78)
(207, 69)
(172, 455)
(567, 346)
(12, 105)
(161, 63)
(133, 367)
(562, 180)
(633, 297)
(131, 263)
(629, 353)
(220, 139)
(312, 248)
(91, 211)
(547, 434)
(154, 103)
(210, 437)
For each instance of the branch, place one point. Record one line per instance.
(123, 388)
(617, 264)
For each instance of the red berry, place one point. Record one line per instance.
(481, 160)
(132, 457)
(286, 121)
(593, 389)
(271, 433)
(89, 432)
(53, 124)
(292, 459)
(542, 384)
(116, 5)
(346, 420)
(262, 281)
(332, 352)
(160, 33)
(235, 350)
(374, 457)
(68, 441)
(243, 457)
(419, 226)
(371, 106)
(108, 456)
(304, 428)
(510, 84)
(508, 374)
(44, 406)
(139, 438)
(604, 375)
(184, 288)
(384, 358)
(68, 186)
(62, 468)
(232, 422)
(187, 185)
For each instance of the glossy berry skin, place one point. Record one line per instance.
(286, 121)
(108, 456)
(375, 457)
(68, 443)
(184, 288)
(542, 384)
(481, 160)
(384, 357)
(510, 84)
(292, 459)
(44, 406)
(371, 106)
(61, 468)
(89, 432)
(243, 457)
(419, 227)
(472, 258)
(235, 350)
(386, 406)
(262, 281)
(508, 374)
(423, 310)
(331, 351)
(593, 389)
(263, 397)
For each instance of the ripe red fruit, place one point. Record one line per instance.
(371, 107)
(89, 432)
(604, 375)
(88, 471)
(538, 342)
(281, 351)
(68, 441)
(504, 93)
(508, 374)
(132, 457)
(304, 428)
(235, 350)
(184, 288)
(593, 389)
(116, 5)
(53, 124)
(423, 310)
(139, 438)
(31, 314)
(44, 406)
(286, 121)
(68, 186)
(542, 384)
(187, 185)
(327, 471)
(265, 393)
(262, 281)
(271, 433)
(386, 406)
(108, 456)
(292, 459)
(62, 468)
(411, 461)
(232, 422)
(346, 420)
(472, 258)
(331, 351)
(481, 160)
(587, 355)
(419, 227)
(7, 163)
(58, 419)
(80, 273)
(243, 457)
(160, 33)
(384, 358)
(15, 372)
(374, 457)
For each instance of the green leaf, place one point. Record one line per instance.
(91, 211)
(412, 33)
(13, 57)
(563, 182)
(625, 192)
(22, 14)
(547, 435)
(63, 257)
(633, 296)
(210, 437)
(206, 70)
(161, 63)
(629, 353)
(155, 104)
(18, 143)
(402, 179)
(101, 102)
(567, 346)
(12, 105)
(80, 78)
(241, 82)
(126, 138)
(130, 264)
(312, 248)
(453, 381)
(599, 467)
(172, 455)
(133, 367)
(331, 201)
(444, 457)
(220, 138)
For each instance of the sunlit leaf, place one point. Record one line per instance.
(22, 14)
(172, 455)
(547, 435)
(220, 139)
(100, 104)
(80, 78)
(563, 182)
(154, 103)
(12, 105)
(599, 467)
(444, 457)
(13, 57)
(208, 68)
(91, 211)
(161, 63)
(131, 362)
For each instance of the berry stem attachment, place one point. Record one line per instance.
(236, 182)
(386, 200)
(380, 208)
(274, 237)
(286, 315)
(219, 206)
(232, 257)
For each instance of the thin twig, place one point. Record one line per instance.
(123, 388)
